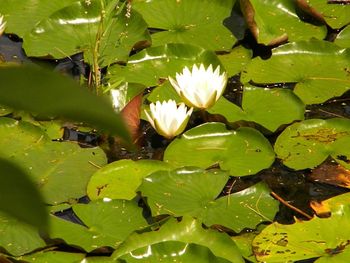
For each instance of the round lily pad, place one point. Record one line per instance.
(319, 70)
(242, 152)
(120, 179)
(199, 22)
(308, 143)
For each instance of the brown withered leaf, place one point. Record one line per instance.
(333, 174)
(131, 115)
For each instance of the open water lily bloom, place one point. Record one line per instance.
(167, 118)
(201, 87)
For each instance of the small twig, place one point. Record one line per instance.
(95, 165)
(290, 206)
(331, 113)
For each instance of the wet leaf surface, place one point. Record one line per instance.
(105, 224)
(18, 238)
(307, 65)
(187, 231)
(185, 192)
(120, 179)
(331, 174)
(242, 152)
(152, 65)
(64, 168)
(275, 21)
(308, 143)
(283, 107)
(197, 22)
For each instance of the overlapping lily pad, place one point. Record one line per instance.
(101, 29)
(198, 22)
(302, 240)
(283, 107)
(343, 38)
(235, 60)
(120, 179)
(242, 152)
(319, 69)
(274, 21)
(175, 251)
(334, 13)
(185, 192)
(61, 170)
(18, 238)
(53, 257)
(187, 231)
(150, 66)
(106, 224)
(308, 143)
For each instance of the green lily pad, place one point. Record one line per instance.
(242, 152)
(150, 66)
(278, 21)
(244, 243)
(197, 22)
(270, 108)
(235, 60)
(120, 179)
(18, 238)
(60, 169)
(49, 94)
(335, 14)
(97, 28)
(308, 143)
(53, 257)
(164, 91)
(5, 110)
(343, 38)
(189, 230)
(303, 240)
(19, 197)
(106, 224)
(173, 251)
(319, 69)
(185, 192)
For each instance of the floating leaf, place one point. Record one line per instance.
(18, 238)
(308, 143)
(185, 192)
(235, 60)
(175, 251)
(343, 38)
(19, 197)
(242, 152)
(331, 174)
(275, 21)
(337, 205)
(53, 257)
(197, 22)
(120, 179)
(60, 169)
(50, 94)
(307, 64)
(187, 231)
(283, 107)
(334, 13)
(150, 66)
(106, 224)
(97, 28)
(303, 240)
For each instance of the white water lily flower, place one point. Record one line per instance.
(200, 88)
(2, 25)
(167, 118)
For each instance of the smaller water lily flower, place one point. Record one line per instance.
(200, 88)
(2, 25)
(167, 118)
